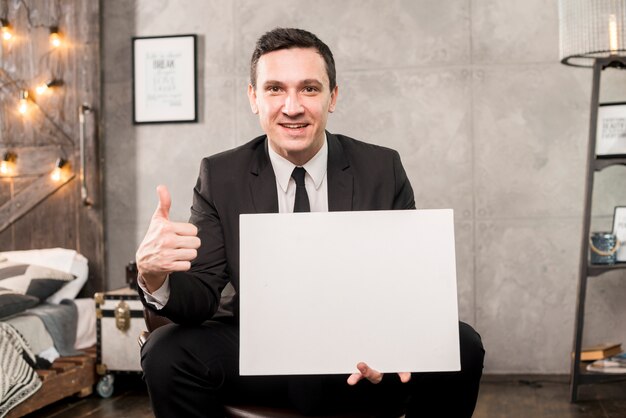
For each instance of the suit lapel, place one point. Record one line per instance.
(263, 182)
(340, 180)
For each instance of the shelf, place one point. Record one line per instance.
(602, 163)
(598, 269)
(579, 374)
(591, 377)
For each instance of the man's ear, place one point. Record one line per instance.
(333, 99)
(252, 99)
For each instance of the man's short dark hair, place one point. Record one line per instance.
(285, 38)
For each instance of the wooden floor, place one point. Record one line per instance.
(500, 396)
(547, 396)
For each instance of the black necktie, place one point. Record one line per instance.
(302, 198)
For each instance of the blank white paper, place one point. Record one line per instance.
(321, 292)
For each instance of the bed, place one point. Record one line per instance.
(47, 334)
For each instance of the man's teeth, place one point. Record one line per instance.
(294, 126)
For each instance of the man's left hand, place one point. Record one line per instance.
(366, 372)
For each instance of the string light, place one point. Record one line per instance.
(55, 37)
(6, 30)
(23, 103)
(8, 162)
(7, 165)
(60, 166)
(43, 87)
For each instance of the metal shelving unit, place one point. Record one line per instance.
(579, 375)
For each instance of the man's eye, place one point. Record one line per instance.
(273, 89)
(311, 89)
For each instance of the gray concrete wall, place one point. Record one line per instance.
(472, 95)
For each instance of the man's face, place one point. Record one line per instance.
(293, 100)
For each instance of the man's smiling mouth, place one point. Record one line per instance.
(294, 125)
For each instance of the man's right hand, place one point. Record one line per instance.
(167, 247)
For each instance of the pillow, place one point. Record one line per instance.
(12, 303)
(56, 258)
(32, 280)
(80, 270)
(62, 259)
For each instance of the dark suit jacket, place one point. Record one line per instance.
(360, 176)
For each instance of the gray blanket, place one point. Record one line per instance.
(61, 322)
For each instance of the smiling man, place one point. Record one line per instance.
(293, 95)
(191, 366)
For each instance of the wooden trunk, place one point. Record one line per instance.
(119, 324)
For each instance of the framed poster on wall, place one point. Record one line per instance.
(164, 79)
(611, 130)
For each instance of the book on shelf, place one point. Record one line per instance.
(611, 365)
(600, 351)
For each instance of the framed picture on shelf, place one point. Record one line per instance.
(619, 230)
(164, 79)
(611, 130)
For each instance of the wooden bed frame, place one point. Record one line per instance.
(68, 376)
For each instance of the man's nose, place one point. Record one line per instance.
(292, 106)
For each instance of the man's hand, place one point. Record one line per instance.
(167, 247)
(366, 372)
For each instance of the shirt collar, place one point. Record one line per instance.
(315, 167)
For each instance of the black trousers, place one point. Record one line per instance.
(191, 371)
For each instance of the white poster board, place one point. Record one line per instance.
(321, 292)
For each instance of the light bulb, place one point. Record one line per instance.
(59, 167)
(56, 174)
(41, 89)
(7, 165)
(22, 106)
(7, 31)
(55, 37)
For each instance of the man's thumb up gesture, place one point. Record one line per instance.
(167, 247)
(165, 202)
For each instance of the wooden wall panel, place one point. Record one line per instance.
(51, 224)
(6, 236)
(59, 217)
(90, 224)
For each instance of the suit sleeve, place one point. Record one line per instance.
(403, 197)
(195, 294)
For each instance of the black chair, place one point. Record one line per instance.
(154, 321)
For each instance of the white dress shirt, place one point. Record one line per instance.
(314, 181)
(316, 188)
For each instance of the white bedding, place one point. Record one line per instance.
(86, 330)
(38, 328)
(33, 330)
(31, 326)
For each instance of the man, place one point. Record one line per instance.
(191, 366)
